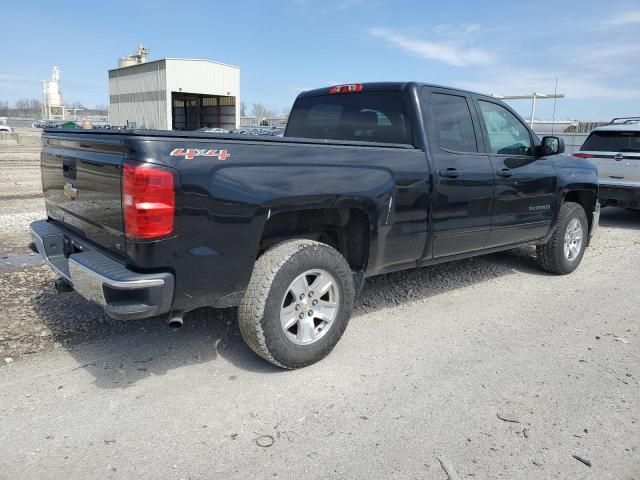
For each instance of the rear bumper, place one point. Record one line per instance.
(626, 196)
(125, 295)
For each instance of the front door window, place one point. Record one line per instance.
(507, 135)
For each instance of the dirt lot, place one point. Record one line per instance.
(488, 364)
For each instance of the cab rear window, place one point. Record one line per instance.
(365, 117)
(612, 142)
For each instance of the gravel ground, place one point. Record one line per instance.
(487, 364)
(20, 196)
(38, 318)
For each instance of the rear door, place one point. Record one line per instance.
(376, 116)
(464, 176)
(81, 182)
(525, 189)
(617, 154)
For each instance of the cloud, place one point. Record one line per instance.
(10, 77)
(599, 59)
(327, 7)
(14, 86)
(573, 85)
(625, 18)
(584, 72)
(453, 50)
(300, 88)
(350, 4)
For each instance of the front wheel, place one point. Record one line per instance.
(298, 303)
(564, 251)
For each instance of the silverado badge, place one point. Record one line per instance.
(70, 192)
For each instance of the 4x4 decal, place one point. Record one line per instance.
(191, 153)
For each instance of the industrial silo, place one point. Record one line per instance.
(51, 99)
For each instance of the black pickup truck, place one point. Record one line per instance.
(368, 178)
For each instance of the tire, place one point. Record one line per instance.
(276, 275)
(552, 256)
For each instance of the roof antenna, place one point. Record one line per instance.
(555, 100)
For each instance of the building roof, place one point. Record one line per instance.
(201, 60)
(138, 65)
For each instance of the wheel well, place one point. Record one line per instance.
(345, 229)
(586, 198)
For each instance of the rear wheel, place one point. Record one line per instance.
(298, 303)
(564, 251)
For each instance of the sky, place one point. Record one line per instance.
(286, 46)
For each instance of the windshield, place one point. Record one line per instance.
(366, 117)
(613, 142)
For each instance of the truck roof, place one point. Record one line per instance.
(387, 87)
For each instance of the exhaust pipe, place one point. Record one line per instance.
(62, 286)
(175, 322)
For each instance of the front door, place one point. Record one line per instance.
(464, 177)
(525, 191)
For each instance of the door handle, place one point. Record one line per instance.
(450, 173)
(505, 173)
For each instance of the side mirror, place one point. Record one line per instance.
(552, 145)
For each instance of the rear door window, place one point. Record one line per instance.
(604, 141)
(453, 124)
(366, 117)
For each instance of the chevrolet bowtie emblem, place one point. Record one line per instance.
(70, 192)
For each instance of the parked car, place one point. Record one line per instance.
(615, 148)
(246, 131)
(6, 129)
(368, 179)
(213, 130)
(273, 131)
(46, 124)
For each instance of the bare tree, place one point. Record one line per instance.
(35, 106)
(4, 108)
(101, 109)
(22, 107)
(243, 109)
(259, 111)
(25, 107)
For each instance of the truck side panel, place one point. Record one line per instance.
(223, 206)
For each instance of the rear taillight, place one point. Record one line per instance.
(149, 201)
(582, 155)
(352, 88)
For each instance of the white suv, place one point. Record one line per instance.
(616, 150)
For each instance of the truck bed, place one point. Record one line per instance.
(223, 203)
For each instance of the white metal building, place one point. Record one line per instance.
(175, 94)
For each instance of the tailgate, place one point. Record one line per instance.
(616, 151)
(618, 168)
(81, 181)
